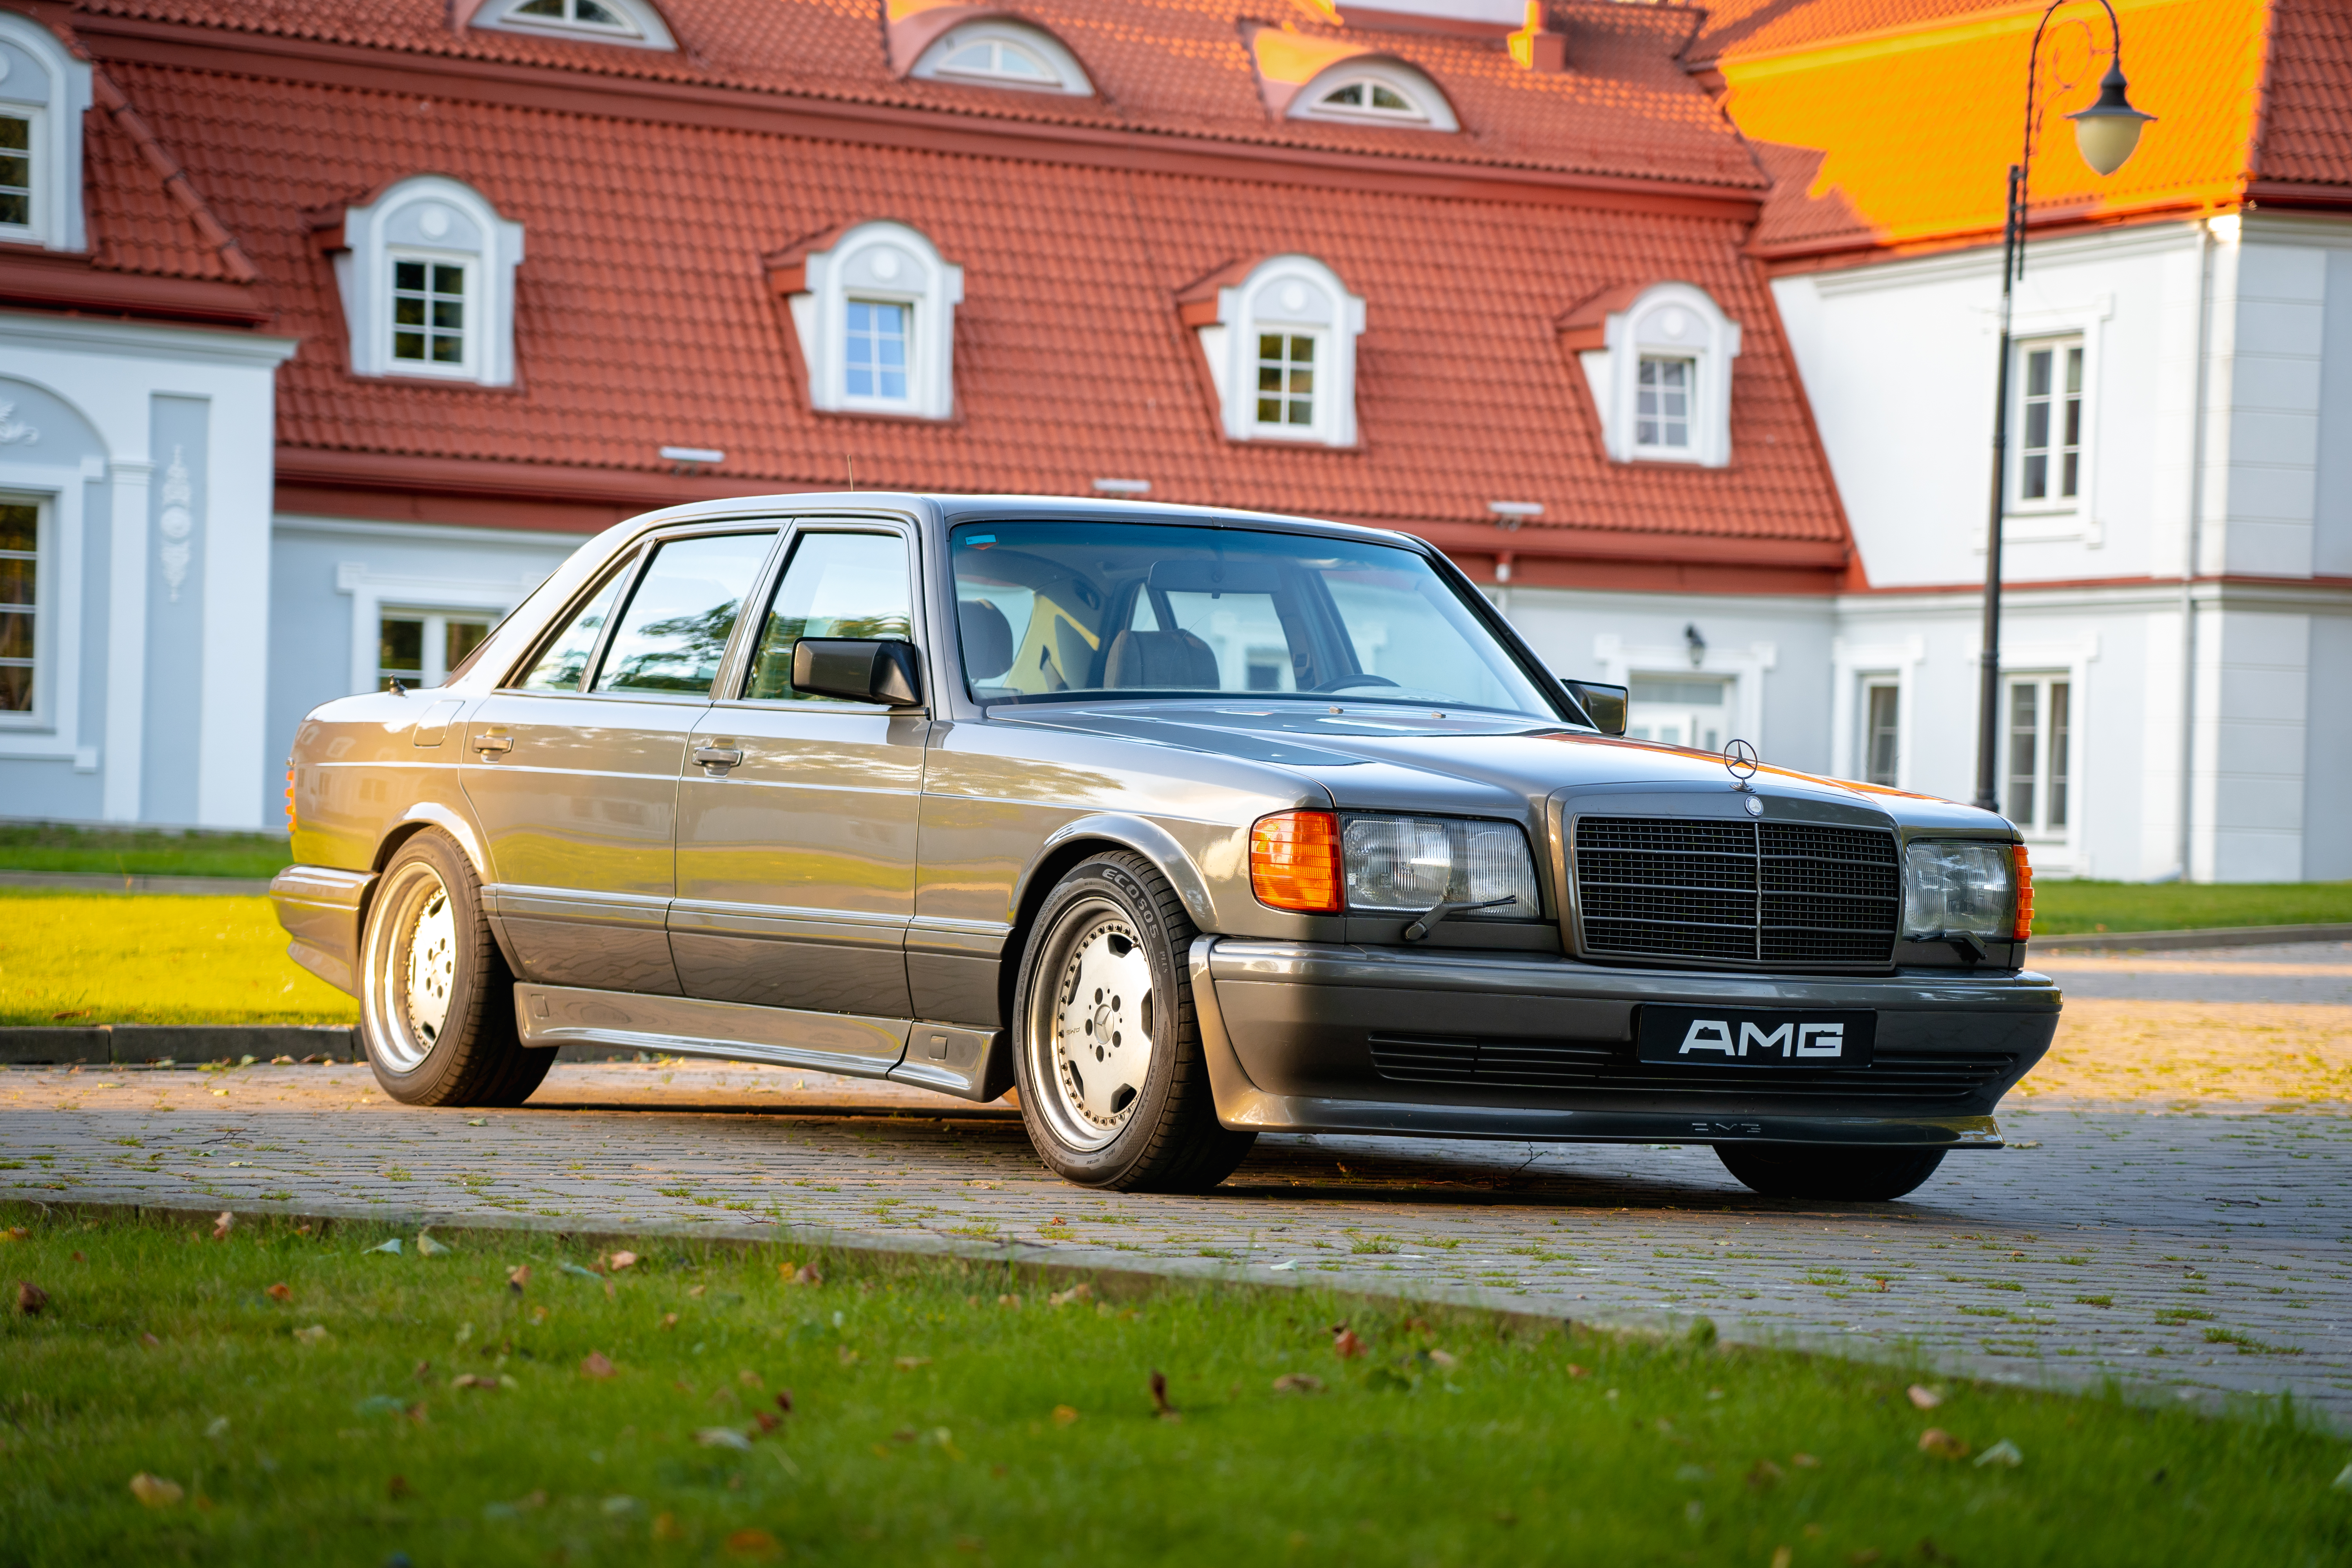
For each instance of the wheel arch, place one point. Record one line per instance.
(1076, 841)
(415, 820)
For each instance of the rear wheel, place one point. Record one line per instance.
(1840, 1172)
(436, 1002)
(1107, 1050)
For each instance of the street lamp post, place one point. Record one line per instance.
(2105, 134)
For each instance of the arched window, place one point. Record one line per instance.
(875, 314)
(1375, 92)
(631, 22)
(1280, 342)
(1658, 361)
(44, 92)
(996, 52)
(426, 275)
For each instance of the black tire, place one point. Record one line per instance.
(1839, 1173)
(426, 946)
(1114, 918)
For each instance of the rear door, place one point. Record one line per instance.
(797, 813)
(572, 772)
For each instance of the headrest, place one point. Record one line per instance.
(987, 639)
(1163, 660)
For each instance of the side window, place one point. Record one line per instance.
(838, 585)
(561, 667)
(682, 613)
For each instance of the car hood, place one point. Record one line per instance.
(1382, 756)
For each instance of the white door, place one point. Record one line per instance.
(1680, 710)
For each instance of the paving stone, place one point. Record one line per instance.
(2107, 1243)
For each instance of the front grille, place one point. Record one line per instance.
(1736, 893)
(1910, 1076)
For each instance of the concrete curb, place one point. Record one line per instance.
(2212, 936)
(108, 882)
(166, 1044)
(1113, 1276)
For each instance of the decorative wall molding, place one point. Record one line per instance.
(176, 521)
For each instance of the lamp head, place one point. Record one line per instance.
(2108, 131)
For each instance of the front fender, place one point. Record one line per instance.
(1147, 838)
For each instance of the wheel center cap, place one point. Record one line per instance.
(1103, 1025)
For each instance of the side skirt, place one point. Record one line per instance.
(947, 1059)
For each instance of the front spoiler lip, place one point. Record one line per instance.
(1242, 1105)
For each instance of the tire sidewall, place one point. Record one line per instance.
(429, 1081)
(1064, 912)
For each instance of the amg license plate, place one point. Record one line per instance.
(1756, 1037)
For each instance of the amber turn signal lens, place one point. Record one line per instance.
(1295, 861)
(290, 823)
(2024, 927)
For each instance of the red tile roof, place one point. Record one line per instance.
(645, 317)
(2306, 132)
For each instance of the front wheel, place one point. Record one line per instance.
(436, 1002)
(1839, 1173)
(1107, 1050)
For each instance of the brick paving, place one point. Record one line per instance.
(2107, 1242)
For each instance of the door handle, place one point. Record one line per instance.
(716, 759)
(492, 744)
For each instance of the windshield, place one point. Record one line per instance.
(1076, 609)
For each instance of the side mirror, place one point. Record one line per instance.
(1604, 704)
(858, 670)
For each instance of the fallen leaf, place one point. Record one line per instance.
(695, 1294)
(1063, 1415)
(1008, 1300)
(1344, 1342)
(1075, 1293)
(391, 1246)
(1782, 1557)
(1923, 1397)
(666, 1527)
(1166, 1411)
(518, 1276)
(1298, 1383)
(767, 1423)
(1576, 1370)
(31, 1298)
(1763, 1473)
(398, 1487)
(1942, 1443)
(154, 1490)
(1444, 1360)
(721, 1438)
(478, 1122)
(910, 1363)
(750, 1379)
(752, 1543)
(223, 1226)
(428, 1247)
(2002, 1453)
(539, 1314)
(16, 1233)
(621, 1260)
(281, 1291)
(846, 1356)
(669, 1319)
(594, 1364)
(150, 1341)
(1804, 1462)
(77, 1258)
(315, 1335)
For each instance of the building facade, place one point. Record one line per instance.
(328, 328)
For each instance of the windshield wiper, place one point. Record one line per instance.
(1428, 923)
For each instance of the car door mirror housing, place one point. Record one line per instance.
(858, 670)
(1603, 703)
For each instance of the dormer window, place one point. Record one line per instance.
(44, 92)
(874, 311)
(1658, 361)
(1375, 92)
(426, 275)
(1000, 53)
(629, 22)
(1279, 339)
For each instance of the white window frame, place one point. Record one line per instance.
(1676, 320)
(1430, 111)
(45, 560)
(53, 99)
(2056, 346)
(430, 218)
(1620, 661)
(1657, 419)
(1866, 730)
(2039, 522)
(375, 595)
(1299, 297)
(1855, 668)
(886, 264)
(435, 653)
(1068, 75)
(467, 367)
(2038, 827)
(642, 29)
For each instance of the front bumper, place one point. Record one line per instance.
(1304, 1037)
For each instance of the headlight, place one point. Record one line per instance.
(1960, 886)
(1391, 864)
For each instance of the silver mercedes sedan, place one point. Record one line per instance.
(1185, 824)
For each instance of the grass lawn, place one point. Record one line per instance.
(2069, 909)
(141, 852)
(931, 1422)
(152, 958)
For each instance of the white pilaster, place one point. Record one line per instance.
(126, 637)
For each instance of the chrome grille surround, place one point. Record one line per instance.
(1735, 893)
